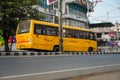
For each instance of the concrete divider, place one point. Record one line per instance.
(32, 53)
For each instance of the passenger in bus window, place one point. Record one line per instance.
(81, 35)
(77, 35)
(91, 36)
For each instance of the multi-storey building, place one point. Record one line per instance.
(48, 11)
(74, 12)
(108, 36)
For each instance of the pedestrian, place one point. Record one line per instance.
(10, 40)
(14, 39)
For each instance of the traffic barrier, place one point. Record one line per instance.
(32, 53)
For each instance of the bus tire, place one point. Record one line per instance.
(90, 49)
(56, 49)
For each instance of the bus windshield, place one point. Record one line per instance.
(24, 27)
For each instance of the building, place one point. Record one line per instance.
(48, 11)
(74, 12)
(105, 34)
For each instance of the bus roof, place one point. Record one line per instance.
(56, 25)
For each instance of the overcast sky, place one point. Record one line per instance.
(107, 10)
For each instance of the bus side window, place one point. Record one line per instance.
(92, 36)
(84, 35)
(77, 35)
(81, 34)
(70, 34)
(87, 35)
(51, 31)
(44, 30)
(38, 29)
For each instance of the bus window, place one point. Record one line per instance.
(24, 27)
(38, 29)
(69, 33)
(80, 34)
(51, 31)
(86, 35)
(77, 34)
(92, 36)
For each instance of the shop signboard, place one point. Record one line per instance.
(112, 43)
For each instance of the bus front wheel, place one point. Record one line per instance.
(55, 49)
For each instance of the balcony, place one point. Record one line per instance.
(74, 17)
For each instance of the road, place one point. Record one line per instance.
(55, 67)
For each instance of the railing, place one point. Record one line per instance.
(108, 49)
(32, 53)
(74, 17)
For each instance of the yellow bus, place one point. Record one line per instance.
(40, 35)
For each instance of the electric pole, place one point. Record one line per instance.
(60, 27)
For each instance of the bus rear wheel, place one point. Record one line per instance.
(55, 49)
(90, 49)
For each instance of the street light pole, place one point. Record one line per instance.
(60, 26)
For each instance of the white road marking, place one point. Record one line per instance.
(51, 72)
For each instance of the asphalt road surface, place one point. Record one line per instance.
(111, 75)
(55, 67)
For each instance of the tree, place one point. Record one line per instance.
(13, 11)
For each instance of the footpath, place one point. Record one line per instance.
(112, 75)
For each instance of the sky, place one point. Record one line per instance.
(107, 10)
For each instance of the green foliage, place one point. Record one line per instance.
(13, 11)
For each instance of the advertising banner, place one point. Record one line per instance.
(49, 2)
